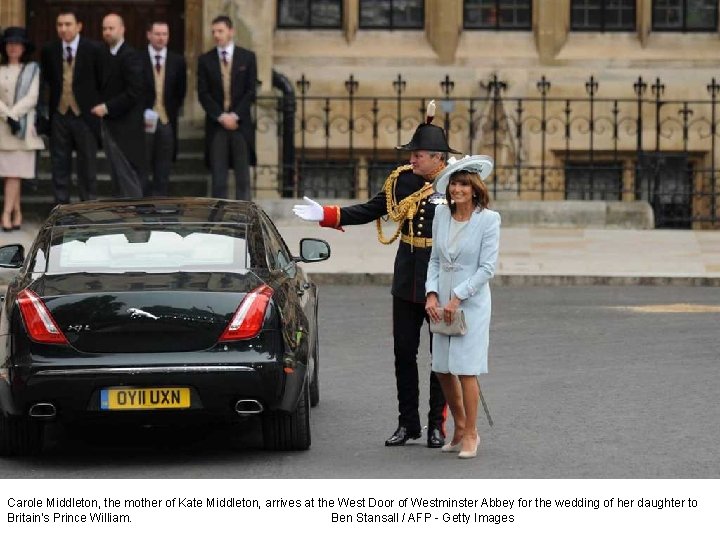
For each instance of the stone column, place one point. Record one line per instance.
(551, 23)
(194, 29)
(644, 20)
(12, 13)
(443, 24)
(254, 28)
(351, 19)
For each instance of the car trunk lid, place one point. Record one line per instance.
(133, 315)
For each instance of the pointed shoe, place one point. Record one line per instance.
(468, 454)
(450, 447)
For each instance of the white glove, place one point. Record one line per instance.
(309, 212)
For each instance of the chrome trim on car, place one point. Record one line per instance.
(43, 410)
(141, 370)
(247, 407)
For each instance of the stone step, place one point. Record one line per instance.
(186, 163)
(36, 204)
(192, 145)
(186, 185)
(188, 178)
(38, 198)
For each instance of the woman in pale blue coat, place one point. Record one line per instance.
(466, 237)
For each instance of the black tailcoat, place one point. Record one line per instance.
(123, 92)
(86, 78)
(243, 79)
(174, 87)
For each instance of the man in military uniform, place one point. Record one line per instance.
(406, 199)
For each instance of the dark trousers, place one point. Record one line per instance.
(408, 318)
(67, 133)
(160, 148)
(229, 149)
(127, 181)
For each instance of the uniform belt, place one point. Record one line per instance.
(416, 242)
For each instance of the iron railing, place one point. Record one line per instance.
(641, 145)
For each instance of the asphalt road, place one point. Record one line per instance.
(594, 382)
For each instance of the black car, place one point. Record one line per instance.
(159, 310)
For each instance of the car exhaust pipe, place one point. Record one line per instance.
(245, 407)
(45, 411)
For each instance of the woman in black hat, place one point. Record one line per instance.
(19, 143)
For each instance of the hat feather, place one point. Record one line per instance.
(430, 113)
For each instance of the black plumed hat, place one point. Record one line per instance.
(428, 136)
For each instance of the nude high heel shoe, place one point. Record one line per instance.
(450, 447)
(467, 454)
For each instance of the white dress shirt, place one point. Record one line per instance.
(229, 50)
(114, 50)
(153, 53)
(73, 46)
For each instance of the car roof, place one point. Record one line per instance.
(151, 210)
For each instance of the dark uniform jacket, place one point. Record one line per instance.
(411, 262)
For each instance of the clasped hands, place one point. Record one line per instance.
(437, 313)
(229, 121)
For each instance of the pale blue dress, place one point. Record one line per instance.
(464, 268)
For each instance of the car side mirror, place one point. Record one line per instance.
(12, 256)
(314, 250)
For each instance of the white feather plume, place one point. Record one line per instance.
(430, 112)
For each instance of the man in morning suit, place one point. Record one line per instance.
(122, 93)
(226, 89)
(165, 86)
(408, 198)
(70, 69)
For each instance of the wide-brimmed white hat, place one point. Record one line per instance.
(483, 165)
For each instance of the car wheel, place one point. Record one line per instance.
(20, 436)
(288, 431)
(315, 381)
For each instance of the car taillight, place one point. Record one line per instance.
(249, 317)
(40, 325)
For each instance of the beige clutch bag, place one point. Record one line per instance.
(456, 328)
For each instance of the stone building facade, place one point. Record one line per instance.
(584, 99)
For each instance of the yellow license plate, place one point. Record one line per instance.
(128, 399)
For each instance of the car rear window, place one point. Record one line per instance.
(152, 248)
